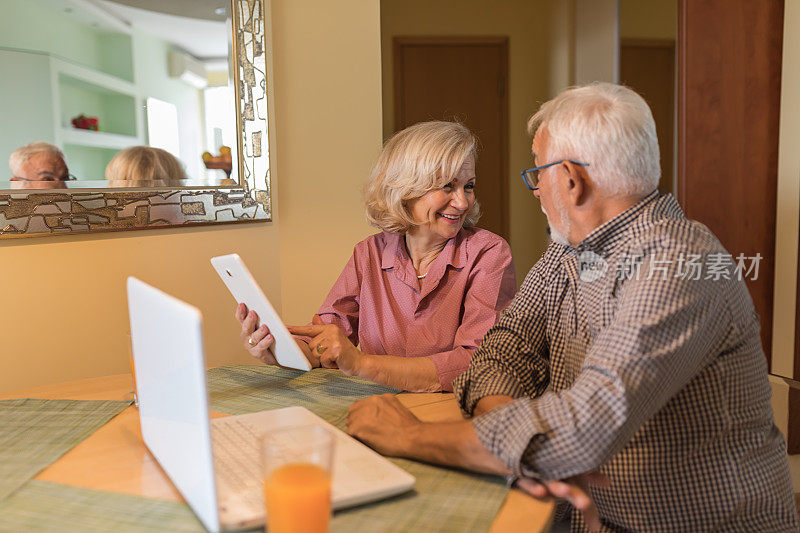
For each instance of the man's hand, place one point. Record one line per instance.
(382, 422)
(332, 346)
(575, 490)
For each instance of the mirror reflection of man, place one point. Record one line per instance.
(39, 165)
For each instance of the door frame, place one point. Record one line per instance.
(398, 44)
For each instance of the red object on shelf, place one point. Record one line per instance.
(82, 122)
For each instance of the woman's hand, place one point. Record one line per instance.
(257, 341)
(332, 346)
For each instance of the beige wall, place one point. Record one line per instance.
(788, 200)
(648, 19)
(786, 230)
(597, 41)
(539, 33)
(69, 318)
(328, 94)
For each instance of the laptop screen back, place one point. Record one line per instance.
(167, 345)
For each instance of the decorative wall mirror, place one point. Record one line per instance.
(158, 109)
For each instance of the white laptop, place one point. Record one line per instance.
(215, 464)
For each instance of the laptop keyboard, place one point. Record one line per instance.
(357, 473)
(237, 466)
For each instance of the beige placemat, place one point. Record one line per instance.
(34, 433)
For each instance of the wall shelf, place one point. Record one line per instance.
(97, 139)
(93, 77)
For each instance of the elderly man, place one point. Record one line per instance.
(615, 356)
(39, 165)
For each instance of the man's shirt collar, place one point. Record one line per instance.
(607, 237)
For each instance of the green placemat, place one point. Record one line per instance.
(443, 499)
(34, 433)
(43, 506)
(326, 393)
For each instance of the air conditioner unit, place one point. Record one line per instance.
(188, 69)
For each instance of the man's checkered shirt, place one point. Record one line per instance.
(655, 378)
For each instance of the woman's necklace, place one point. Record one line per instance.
(422, 276)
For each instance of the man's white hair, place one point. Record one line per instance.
(610, 128)
(19, 156)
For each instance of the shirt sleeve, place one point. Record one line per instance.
(664, 331)
(342, 303)
(512, 358)
(491, 288)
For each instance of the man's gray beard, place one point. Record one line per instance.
(556, 235)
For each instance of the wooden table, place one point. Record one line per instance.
(114, 458)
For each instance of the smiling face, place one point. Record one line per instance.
(440, 213)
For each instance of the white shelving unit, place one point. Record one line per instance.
(97, 139)
(121, 119)
(66, 134)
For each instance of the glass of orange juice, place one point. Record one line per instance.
(296, 466)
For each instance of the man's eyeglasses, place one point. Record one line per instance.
(68, 177)
(530, 177)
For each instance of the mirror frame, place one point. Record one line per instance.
(31, 212)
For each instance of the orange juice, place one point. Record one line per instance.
(298, 498)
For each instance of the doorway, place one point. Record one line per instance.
(462, 79)
(648, 67)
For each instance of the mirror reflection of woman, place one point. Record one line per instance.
(415, 300)
(145, 166)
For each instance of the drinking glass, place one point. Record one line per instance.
(296, 467)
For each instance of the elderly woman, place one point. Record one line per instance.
(415, 300)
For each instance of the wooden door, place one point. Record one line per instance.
(729, 81)
(461, 79)
(648, 67)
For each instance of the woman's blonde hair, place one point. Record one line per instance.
(145, 164)
(416, 160)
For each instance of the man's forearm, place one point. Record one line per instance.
(453, 444)
(488, 403)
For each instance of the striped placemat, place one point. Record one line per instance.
(328, 394)
(45, 506)
(34, 433)
(443, 500)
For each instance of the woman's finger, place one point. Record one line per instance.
(327, 360)
(255, 338)
(240, 313)
(319, 343)
(264, 343)
(249, 323)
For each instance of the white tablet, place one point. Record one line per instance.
(245, 289)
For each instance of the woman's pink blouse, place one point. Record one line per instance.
(378, 302)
